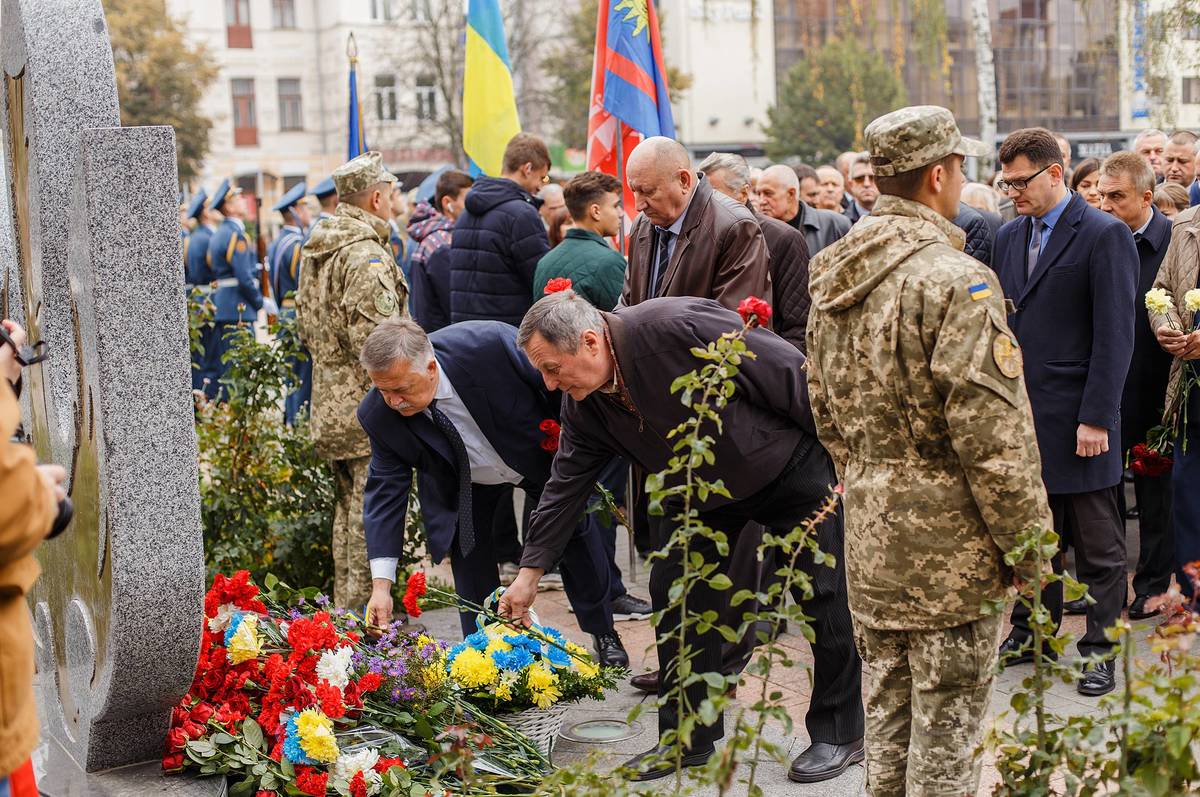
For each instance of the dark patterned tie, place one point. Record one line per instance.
(466, 520)
(663, 260)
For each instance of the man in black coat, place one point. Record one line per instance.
(465, 409)
(980, 237)
(1127, 192)
(616, 370)
(1069, 271)
(499, 238)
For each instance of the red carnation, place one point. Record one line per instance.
(552, 431)
(330, 698)
(754, 311)
(176, 739)
(370, 682)
(1148, 462)
(358, 785)
(310, 781)
(549, 426)
(202, 712)
(384, 764)
(172, 762)
(557, 284)
(416, 590)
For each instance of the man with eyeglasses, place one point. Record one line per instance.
(862, 188)
(1069, 272)
(499, 238)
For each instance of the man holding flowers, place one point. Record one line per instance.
(1173, 306)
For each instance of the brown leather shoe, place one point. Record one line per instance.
(646, 682)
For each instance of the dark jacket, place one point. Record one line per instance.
(1074, 322)
(720, 253)
(507, 399)
(820, 227)
(766, 420)
(1146, 384)
(596, 270)
(980, 237)
(495, 248)
(789, 279)
(429, 277)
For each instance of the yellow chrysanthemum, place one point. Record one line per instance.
(503, 690)
(245, 644)
(434, 675)
(581, 660)
(1191, 300)
(1158, 301)
(471, 668)
(316, 735)
(546, 697)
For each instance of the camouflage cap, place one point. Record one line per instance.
(361, 173)
(913, 137)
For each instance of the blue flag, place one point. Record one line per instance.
(357, 144)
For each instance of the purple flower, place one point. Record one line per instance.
(322, 600)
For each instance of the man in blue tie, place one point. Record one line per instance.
(1070, 274)
(283, 259)
(237, 297)
(467, 411)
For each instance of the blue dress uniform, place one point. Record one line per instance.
(199, 279)
(237, 298)
(283, 259)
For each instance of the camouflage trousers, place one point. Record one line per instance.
(926, 701)
(351, 570)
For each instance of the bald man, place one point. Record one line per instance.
(779, 198)
(689, 240)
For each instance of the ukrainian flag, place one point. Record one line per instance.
(489, 103)
(357, 143)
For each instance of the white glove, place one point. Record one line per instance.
(270, 306)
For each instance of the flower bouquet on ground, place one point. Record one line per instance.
(288, 698)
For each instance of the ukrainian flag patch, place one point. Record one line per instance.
(979, 290)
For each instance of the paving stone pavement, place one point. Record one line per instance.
(794, 682)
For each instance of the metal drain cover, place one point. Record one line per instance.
(601, 731)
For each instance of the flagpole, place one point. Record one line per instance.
(621, 180)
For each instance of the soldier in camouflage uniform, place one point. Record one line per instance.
(917, 389)
(349, 283)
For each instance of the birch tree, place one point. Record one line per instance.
(985, 73)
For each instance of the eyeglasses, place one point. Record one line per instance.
(862, 178)
(1020, 183)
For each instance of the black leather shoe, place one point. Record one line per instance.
(823, 761)
(627, 607)
(1015, 651)
(610, 652)
(646, 682)
(1076, 607)
(1099, 679)
(1137, 609)
(659, 762)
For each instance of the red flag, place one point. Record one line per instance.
(602, 125)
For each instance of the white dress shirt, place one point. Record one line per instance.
(487, 467)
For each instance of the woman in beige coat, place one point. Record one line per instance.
(27, 511)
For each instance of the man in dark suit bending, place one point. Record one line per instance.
(466, 410)
(1071, 272)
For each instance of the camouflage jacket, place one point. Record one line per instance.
(349, 283)
(917, 389)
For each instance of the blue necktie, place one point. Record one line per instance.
(466, 519)
(1035, 247)
(661, 262)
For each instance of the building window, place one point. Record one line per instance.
(385, 98)
(291, 116)
(421, 12)
(245, 122)
(283, 13)
(384, 10)
(426, 98)
(1191, 91)
(237, 24)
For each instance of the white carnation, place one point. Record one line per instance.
(334, 666)
(220, 622)
(350, 764)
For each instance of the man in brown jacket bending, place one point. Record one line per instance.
(31, 496)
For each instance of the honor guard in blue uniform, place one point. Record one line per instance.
(283, 259)
(237, 297)
(327, 196)
(199, 279)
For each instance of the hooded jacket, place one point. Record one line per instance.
(349, 283)
(495, 248)
(916, 387)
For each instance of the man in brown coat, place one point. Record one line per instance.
(689, 240)
(31, 496)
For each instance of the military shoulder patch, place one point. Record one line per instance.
(385, 303)
(1007, 355)
(979, 290)
(241, 246)
(375, 263)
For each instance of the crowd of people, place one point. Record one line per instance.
(967, 359)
